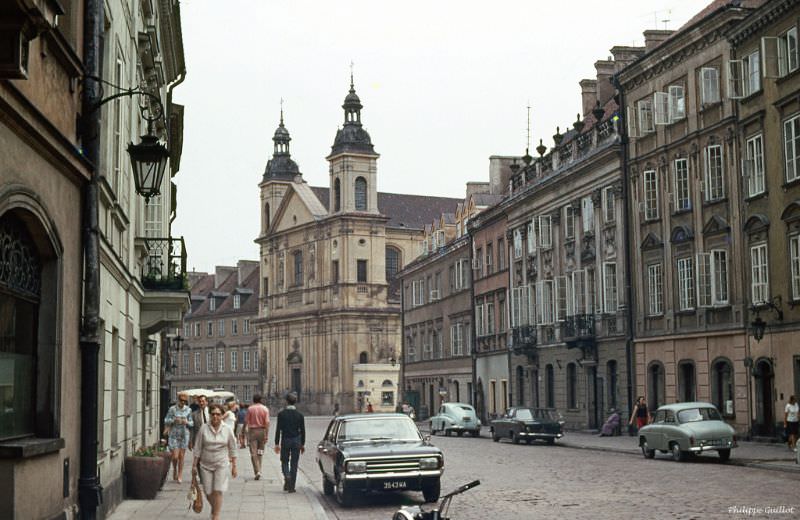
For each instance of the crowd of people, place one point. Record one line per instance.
(214, 433)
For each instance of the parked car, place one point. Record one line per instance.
(377, 452)
(527, 424)
(687, 428)
(456, 417)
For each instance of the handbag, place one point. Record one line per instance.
(195, 496)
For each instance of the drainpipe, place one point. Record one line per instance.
(623, 132)
(472, 349)
(89, 489)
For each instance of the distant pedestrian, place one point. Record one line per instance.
(241, 414)
(179, 422)
(290, 440)
(369, 407)
(257, 422)
(214, 453)
(199, 418)
(611, 425)
(640, 413)
(336, 409)
(229, 418)
(791, 416)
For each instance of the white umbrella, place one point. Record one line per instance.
(194, 392)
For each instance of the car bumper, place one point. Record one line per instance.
(540, 435)
(457, 427)
(712, 447)
(408, 480)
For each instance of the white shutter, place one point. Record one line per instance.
(532, 236)
(530, 297)
(587, 214)
(517, 243)
(561, 298)
(677, 102)
(704, 280)
(539, 305)
(661, 108)
(545, 232)
(736, 79)
(709, 81)
(579, 292)
(633, 129)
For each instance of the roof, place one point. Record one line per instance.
(248, 291)
(486, 199)
(404, 211)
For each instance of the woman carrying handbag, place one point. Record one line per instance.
(214, 458)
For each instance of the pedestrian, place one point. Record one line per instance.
(179, 421)
(369, 407)
(240, 427)
(790, 422)
(640, 413)
(290, 440)
(257, 423)
(336, 409)
(214, 454)
(611, 425)
(199, 418)
(229, 417)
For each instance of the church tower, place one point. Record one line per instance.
(353, 163)
(280, 171)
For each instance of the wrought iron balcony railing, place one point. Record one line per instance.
(578, 328)
(164, 268)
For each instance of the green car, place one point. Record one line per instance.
(684, 429)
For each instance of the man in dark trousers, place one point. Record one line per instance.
(290, 440)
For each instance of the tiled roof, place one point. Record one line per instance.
(486, 199)
(224, 304)
(409, 211)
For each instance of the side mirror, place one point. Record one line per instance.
(426, 439)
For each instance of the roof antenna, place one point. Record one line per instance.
(667, 20)
(527, 157)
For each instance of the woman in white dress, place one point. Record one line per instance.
(214, 458)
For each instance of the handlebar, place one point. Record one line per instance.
(465, 487)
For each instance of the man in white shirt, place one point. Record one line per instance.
(791, 420)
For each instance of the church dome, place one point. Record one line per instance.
(281, 166)
(352, 137)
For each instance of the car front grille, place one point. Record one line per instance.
(392, 465)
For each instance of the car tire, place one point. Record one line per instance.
(431, 491)
(551, 441)
(678, 455)
(343, 495)
(475, 433)
(460, 433)
(327, 486)
(528, 441)
(646, 451)
(446, 432)
(495, 437)
(514, 438)
(724, 455)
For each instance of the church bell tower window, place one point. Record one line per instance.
(361, 194)
(337, 195)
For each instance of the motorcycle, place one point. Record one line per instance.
(438, 512)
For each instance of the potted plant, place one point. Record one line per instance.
(143, 473)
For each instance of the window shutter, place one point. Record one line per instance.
(661, 108)
(676, 102)
(531, 297)
(773, 57)
(705, 282)
(736, 79)
(633, 129)
(561, 298)
(709, 84)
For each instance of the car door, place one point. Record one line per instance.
(327, 448)
(655, 431)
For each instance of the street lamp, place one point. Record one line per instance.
(392, 360)
(758, 326)
(149, 159)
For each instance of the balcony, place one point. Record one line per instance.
(579, 332)
(523, 342)
(166, 294)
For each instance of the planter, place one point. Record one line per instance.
(167, 456)
(143, 476)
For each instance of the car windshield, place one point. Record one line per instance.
(378, 428)
(523, 414)
(698, 414)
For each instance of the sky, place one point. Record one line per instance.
(445, 84)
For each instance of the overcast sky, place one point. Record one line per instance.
(444, 84)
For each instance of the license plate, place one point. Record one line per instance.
(395, 484)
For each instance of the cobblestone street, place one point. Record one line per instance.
(539, 481)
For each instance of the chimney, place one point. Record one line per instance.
(245, 268)
(221, 272)
(500, 173)
(588, 95)
(625, 55)
(477, 187)
(654, 37)
(605, 90)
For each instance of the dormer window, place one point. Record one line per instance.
(212, 303)
(237, 301)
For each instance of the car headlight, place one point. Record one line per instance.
(357, 466)
(429, 463)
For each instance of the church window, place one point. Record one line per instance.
(298, 268)
(266, 218)
(361, 194)
(392, 263)
(361, 271)
(362, 358)
(337, 195)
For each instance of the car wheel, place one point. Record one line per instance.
(551, 441)
(724, 455)
(528, 441)
(514, 438)
(343, 495)
(431, 491)
(433, 431)
(678, 455)
(446, 432)
(327, 486)
(460, 433)
(646, 451)
(495, 437)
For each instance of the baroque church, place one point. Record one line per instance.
(329, 321)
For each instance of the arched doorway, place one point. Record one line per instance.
(765, 414)
(520, 386)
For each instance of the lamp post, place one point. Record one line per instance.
(758, 326)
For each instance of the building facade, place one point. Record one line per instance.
(568, 306)
(329, 320)
(684, 184)
(767, 130)
(219, 349)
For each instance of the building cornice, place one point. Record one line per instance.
(762, 17)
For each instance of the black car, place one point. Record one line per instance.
(377, 452)
(527, 424)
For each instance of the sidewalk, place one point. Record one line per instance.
(246, 498)
(752, 454)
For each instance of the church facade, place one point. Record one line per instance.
(329, 321)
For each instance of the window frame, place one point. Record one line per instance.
(651, 195)
(710, 91)
(759, 273)
(713, 174)
(792, 122)
(682, 185)
(655, 289)
(686, 284)
(753, 165)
